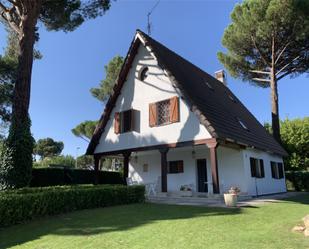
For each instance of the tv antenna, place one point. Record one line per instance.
(148, 17)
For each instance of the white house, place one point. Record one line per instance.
(177, 125)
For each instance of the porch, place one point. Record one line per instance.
(201, 168)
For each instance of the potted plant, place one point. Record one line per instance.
(185, 191)
(230, 198)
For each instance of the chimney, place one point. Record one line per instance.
(221, 76)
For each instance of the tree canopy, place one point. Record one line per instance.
(85, 129)
(47, 147)
(105, 88)
(267, 41)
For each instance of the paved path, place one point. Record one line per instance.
(262, 200)
(258, 201)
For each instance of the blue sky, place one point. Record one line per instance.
(74, 62)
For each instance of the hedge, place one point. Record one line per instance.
(297, 180)
(43, 177)
(17, 206)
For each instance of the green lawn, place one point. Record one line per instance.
(163, 226)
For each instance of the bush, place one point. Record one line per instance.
(17, 206)
(64, 160)
(42, 177)
(6, 166)
(297, 180)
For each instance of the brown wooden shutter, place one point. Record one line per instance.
(117, 123)
(280, 169)
(132, 125)
(273, 169)
(253, 167)
(180, 166)
(152, 114)
(262, 168)
(174, 109)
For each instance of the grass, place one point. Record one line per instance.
(163, 226)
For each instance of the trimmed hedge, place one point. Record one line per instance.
(17, 206)
(43, 177)
(297, 180)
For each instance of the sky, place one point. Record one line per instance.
(74, 62)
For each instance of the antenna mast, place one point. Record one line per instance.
(148, 17)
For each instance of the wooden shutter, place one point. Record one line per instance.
(253, 167)
(273, 169)
(117, 123)
(180, 166)
(262, 168)
(280, 169)
(152, 114)
(132, 125)
(174, 109)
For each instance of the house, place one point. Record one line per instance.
(177, 125)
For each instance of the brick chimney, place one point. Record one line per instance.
(221, 76)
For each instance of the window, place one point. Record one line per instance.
(164, 112)
(144, 73)
(124, 121)
(242, 124)
(276, 170)
(175, 167)
(209, 86)
(257, 167)
(145, 167)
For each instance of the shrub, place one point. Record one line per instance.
(297, 180)
(6, 166)
(17, 206)
(42, 177)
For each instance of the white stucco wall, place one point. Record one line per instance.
(266, 185)
(137, 95)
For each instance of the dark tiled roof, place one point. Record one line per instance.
(216, 106)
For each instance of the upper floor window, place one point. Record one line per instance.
(124, 121)
(144, 73)
(257, 167)
(164, 112)
(276, 170)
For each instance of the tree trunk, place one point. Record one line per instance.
(274, 98)
(21, 99)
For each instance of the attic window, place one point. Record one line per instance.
(144, 73)
(242, 124)
(209, 86)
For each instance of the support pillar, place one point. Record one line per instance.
(164, 169)
(214, 167)
(126, 160)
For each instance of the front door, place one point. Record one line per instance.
(202, 175)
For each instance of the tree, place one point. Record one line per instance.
(112, 70)
(22, 16)
(62, 160)
(47, 147)
(85, 162)
(267, 41)
(295, 140)
(85, 130)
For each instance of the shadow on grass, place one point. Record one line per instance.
(104, 220)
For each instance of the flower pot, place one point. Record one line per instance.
(230, 200)
(185, 193)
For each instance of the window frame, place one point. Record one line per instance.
(168, 121)
(259, 170)
(276, 172)
(179, 167)
(124, 127)
(144, 73)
